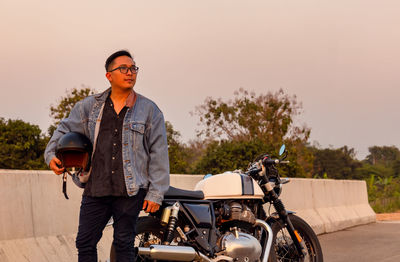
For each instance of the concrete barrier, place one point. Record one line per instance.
(38, 224)
(32, 205)
(329, 205)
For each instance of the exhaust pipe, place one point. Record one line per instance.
(267, 228)
(184, 253)
(173, 253)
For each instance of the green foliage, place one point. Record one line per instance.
(221, 156)
(366, 170)
(252, 124)
(183, 158)
(336, 163)
(22, 145)
(396, 168)
(382, 168)
(177, 152)
(301, 159)
(384, 193)
(266, 117)
(383, 155)
(386, 205)
(65, 105)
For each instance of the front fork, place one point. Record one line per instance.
(283, 215)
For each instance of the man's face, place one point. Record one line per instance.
(118, 79)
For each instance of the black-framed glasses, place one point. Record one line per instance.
(124, 69)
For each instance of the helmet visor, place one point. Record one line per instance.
(74, 159)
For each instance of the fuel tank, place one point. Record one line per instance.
(230, 186)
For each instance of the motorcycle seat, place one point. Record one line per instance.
(174, 192)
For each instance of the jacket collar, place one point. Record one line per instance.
(130, 100)
(101, 97)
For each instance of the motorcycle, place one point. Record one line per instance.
(224, 219)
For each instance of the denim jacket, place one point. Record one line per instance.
(144, 142)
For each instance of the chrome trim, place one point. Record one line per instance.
(184, 253)
(264, 225)
(174, 253)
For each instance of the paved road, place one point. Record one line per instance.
(373, 242)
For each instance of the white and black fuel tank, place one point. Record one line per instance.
(230, 186)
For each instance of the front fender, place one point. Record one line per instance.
(274, 217)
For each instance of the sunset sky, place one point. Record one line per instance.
(341, 58)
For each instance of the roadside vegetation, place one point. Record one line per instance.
(231, 133)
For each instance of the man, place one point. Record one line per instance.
(130, 167)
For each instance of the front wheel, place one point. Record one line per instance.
(283, 248)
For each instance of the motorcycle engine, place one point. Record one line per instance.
(233, 212)
(240, 246)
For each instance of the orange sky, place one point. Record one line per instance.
(339, 57)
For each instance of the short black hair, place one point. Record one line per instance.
(119, 53)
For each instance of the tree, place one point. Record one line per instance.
(266, 120)
(22, 145)
(382, 161)
(65, 105)
(229, 155)
(384, 155)
(366, 170)
(396, 168)
(177, 151)
(196, 151)
(269, 118)
(337, 163)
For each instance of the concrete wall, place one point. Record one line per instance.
(37, 221)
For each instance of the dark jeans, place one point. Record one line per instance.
(94, 215)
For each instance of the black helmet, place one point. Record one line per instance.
(74, 150)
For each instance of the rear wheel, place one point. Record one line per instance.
(283, 248)
(148, 232)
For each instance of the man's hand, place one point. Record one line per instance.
(150, 207)
(55, 165)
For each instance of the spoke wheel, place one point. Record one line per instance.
(283, 248)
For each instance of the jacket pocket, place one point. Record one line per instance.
(137, 134)
(137, 127)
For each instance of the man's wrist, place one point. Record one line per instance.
(49, 157)
(154, 197)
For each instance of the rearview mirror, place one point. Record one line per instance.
(282, 150)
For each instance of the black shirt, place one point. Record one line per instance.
(107, 176)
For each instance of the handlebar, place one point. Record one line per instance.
(264, 171)
(256, 167)
(269, 161)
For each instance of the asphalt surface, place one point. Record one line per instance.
(372, 242)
